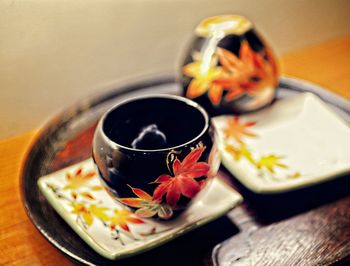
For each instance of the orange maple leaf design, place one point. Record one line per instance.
(183, 182)
(78, 178)
(122, 218)
(247, 73)
(237, 129)
(147, 206)
(202, 80)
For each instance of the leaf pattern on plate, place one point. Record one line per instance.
(270, 162)
(88, 210)
(234, 135)
(237, 129)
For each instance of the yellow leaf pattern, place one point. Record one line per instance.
(234, 135)
(99, 212)
(96, 188)
(269, 162)
(81, 210)
(240, 152)
(88, 209)
(78, 178)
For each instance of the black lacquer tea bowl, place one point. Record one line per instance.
(155, 153)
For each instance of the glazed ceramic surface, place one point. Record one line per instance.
(229, 67)
(155, 153)
(109, 227)
(297, 142)
(66, 140)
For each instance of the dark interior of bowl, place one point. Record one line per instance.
(153, 123)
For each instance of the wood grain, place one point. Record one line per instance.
(326, 64)
(306, 235)
(20, 241)
(309, 243)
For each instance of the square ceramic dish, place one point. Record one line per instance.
(298, 141)
(110, 228)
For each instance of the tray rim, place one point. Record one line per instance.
(288, 82)
(62, 116)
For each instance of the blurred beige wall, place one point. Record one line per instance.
(53, 52)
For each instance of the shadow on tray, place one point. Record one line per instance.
(274, 207)
(193, 248)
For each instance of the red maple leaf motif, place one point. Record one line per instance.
(183, 182)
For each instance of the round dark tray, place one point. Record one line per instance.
(66, 140)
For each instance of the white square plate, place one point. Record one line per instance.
(110, 228)
(298, 141)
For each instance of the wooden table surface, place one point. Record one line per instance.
(327, 64)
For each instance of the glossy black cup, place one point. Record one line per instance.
(155, 153)
(228, 67)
